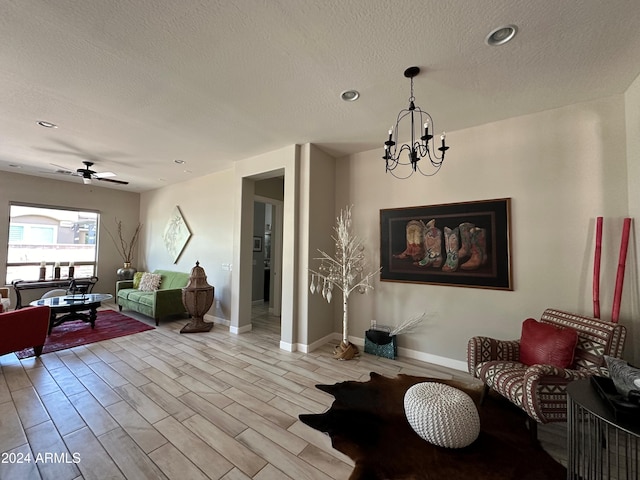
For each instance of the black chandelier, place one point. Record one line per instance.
(419, 147)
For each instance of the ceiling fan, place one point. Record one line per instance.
(88, 175)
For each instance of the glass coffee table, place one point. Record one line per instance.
(73, 307)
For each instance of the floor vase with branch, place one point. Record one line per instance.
(125, 249)
(344, 271)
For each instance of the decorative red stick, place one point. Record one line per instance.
(596, 269)
(617, 295)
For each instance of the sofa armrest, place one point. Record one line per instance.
(24, 328)
(538, 374)
(545, 384)
(120, 284)
(168, 302)
(485, 349)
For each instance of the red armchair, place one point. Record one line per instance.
(24, 328)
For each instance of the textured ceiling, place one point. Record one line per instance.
(134, 85)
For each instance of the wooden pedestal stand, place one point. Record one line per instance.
(197, 297)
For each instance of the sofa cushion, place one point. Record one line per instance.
(149, 282)
(505, 377)
(172, 280)
(125, 292)
(147, 300)
(543, 343)
(138, 296)
(136, 279)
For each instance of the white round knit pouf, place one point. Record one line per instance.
(442, 415)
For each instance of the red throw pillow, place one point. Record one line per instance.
(543, 343)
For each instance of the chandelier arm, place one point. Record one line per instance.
(421, 145)
(437, 169)
(399, 177)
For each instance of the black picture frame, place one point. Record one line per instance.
(406, 232)
(257, 244)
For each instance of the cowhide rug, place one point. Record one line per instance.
(367, 423)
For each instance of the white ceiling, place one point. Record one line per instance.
(134, 85)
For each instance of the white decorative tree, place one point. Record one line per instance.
(344, 271)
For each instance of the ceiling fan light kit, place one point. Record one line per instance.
(421, 145)
(89, 175)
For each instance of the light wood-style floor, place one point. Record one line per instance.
(159, 404)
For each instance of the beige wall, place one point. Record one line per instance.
(632, 104)
(207, 205)
(562, 169)
(317, 219)
(110, 203)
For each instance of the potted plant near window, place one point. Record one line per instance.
(126, 249)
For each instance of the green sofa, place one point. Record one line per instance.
(164, 302)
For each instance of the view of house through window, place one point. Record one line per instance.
(49, 237)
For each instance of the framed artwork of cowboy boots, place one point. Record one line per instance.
(465, 244)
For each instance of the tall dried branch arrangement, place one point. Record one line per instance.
(125, 248)
(344, 271)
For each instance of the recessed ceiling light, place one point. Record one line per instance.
(350, 95)
(46, 124)
(179, 162)
(501, 35)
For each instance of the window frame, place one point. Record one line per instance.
(78, 264)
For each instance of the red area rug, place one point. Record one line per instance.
(109, 324)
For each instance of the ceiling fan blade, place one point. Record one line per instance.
(112, 181)
(104, 174)
(61, 168)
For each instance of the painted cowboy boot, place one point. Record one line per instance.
(478, 250)
(432, 246)
(465, 240)
(415, 246)
(451, 243)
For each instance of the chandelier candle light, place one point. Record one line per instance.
(421, 145)
(344, 271)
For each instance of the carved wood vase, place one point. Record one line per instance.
(197, 298)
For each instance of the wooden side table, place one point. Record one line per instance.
(598, 445)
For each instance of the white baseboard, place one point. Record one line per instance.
(289, 347)
(435, 359)
(227, 323)
(218, 320)
(405, 352)
(239, 330)
(336, 337)
(318, 343)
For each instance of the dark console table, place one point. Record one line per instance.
(80, 285)
(599, 445)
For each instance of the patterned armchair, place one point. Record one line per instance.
(539, 390)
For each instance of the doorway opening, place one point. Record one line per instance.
(266, 295)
